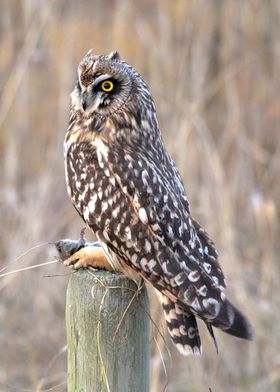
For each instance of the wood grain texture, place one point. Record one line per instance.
(107, 333)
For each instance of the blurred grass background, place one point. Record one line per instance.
(214, 70)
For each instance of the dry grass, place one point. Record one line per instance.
(213, 66)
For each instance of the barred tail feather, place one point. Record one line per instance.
(182, 327)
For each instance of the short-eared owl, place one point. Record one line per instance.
(129, 192)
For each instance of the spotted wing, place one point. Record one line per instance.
(182, 262)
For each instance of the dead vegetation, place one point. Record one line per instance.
(213, 67)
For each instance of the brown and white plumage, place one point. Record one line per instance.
(129, 192)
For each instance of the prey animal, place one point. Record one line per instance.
(129, 192)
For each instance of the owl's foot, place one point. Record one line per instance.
(89, 256)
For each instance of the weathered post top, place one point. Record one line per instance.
(107, 333)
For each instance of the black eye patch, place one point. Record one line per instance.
(109, 86)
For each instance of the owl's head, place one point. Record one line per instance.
(104, 84)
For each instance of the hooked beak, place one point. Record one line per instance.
(84, 104)
(90, 104)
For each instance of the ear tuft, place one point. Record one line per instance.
(89, 53)
(114, 56)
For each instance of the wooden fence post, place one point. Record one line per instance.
(107, 333)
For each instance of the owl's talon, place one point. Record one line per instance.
(70, 261)
(80, 264)
(89, 256)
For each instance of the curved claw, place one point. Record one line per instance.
(89, 256)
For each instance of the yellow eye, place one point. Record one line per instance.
(107, 86)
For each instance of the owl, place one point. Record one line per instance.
(128, 191)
